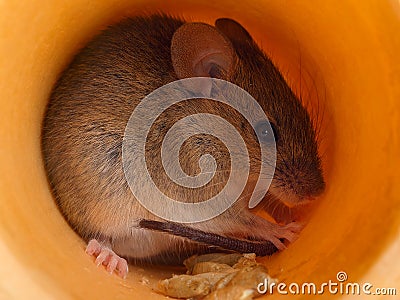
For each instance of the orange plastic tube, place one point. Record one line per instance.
(341, 56)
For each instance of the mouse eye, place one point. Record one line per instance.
(266, 132)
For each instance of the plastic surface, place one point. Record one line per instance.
(346, 54)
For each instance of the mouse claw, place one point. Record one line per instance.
(105, 256)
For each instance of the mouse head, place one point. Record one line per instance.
(228, 52)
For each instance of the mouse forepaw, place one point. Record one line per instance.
(289, 232)
(277, 233)
(105, 256)
(294, 227)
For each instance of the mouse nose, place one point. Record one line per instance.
(306, 185)
(309, 187)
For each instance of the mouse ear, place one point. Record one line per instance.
(233, 30)
(200, 50)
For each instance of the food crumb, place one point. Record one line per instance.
(217, 276)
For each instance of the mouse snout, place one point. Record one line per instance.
(306, 185)
(298, 186)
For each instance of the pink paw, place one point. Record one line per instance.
(108, 258)
(291, 231)
(275, 232)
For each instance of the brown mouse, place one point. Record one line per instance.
(90, 106)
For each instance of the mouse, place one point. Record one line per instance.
(83, 132)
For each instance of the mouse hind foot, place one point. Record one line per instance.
(106, 256)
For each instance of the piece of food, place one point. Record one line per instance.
(209, 266)
(228, 259)
(217, 276)
(185, 286)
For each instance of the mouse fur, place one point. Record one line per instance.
(91, 103)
